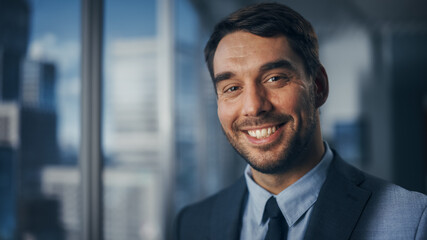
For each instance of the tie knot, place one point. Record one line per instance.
(272, 210)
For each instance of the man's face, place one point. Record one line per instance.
(265, 100)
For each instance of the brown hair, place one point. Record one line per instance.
(269, 20)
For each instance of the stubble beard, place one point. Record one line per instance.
(289, 157)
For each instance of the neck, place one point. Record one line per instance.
(276, 183)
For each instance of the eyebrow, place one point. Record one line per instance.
(223, 76)
(281, 63)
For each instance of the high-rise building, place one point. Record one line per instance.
(9, 141)
(14, 24)
(28, 138)
(38, 85)
(133, 137)
(38, 123)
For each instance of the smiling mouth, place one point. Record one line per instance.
(263, 132)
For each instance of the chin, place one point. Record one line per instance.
(269, 165)
(268, 169)
(279, 158)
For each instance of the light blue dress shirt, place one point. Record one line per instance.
(296, 202)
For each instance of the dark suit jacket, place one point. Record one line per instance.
(351, 205)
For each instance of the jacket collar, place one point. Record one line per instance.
(340, 203)
(336, 212)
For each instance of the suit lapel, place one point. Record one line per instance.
(340, 203)
(227, 212)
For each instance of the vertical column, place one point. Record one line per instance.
(91, 89)
(165, 95)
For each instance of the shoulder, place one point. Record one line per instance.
(386, 192)
(390, 201)
(202, 209)
(371, 183)
(393, 210)
(222, 206)
(393, 194)
(390, 209)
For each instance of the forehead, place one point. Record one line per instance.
(251, 51)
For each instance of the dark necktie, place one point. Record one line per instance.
(277, 227)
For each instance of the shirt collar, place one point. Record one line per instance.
(296, 199)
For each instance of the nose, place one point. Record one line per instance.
(255, 101)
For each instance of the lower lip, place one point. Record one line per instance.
(266, 140)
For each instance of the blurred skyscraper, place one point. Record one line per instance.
(38, 124)
(132, 209)
(14, 24)
(27, 131)
(38, 85)
(9, 141)
(133, 138)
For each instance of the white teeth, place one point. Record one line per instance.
(262, 133)
(252, 133)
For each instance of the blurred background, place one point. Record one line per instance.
(161, 145)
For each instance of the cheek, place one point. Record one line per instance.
(286, 101)
(225, 114)
(293, 102)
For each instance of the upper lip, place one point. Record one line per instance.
(260, 127)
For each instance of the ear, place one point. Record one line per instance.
(321, 87)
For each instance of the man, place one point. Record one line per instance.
(264, 63)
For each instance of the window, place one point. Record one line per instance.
(151, 147)
(39, 119)
(137, 119)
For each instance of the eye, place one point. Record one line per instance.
(231, 89)
(275, 78)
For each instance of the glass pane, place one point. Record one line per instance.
(189, 104)
(133, 163)
(39, 119)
